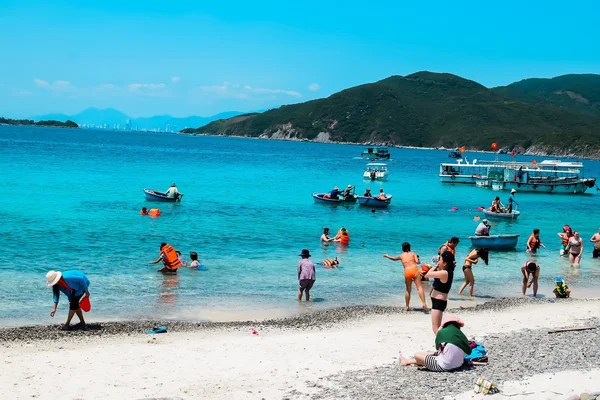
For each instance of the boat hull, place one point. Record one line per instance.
(374, 202)
(513, 215)
(319, 199)
(495, 242)
(578, 187)
(154, 195)
(464, 179)
(379, 176)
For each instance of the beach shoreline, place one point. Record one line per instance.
(316, 356)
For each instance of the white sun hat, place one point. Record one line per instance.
(52, 278)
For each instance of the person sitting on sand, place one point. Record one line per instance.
(368, 193)
(382, 195)
(596, 240)
(325, 236)
(144, 211)
(170, 259)
(443, 274)
(564, 236)
(411, 262)
(451, 344)
(306, 274)
(73, 284)
(483, 229)
(467, 268)
(330, 263)
(534, 242)
(575, 249)
(497, 206)
(530, 269)
(561, 290)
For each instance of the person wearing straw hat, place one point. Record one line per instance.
(73, 284)
(306, 274)
(451, 346)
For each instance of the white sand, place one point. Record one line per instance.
(551, 386)
(236, 365)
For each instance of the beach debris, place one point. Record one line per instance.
(155, 330)
(582, 328)
(254, 331)
(485, 386)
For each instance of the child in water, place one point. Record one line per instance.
(561, 290)
(195, 264)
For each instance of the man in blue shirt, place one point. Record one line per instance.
(73, 284)
(335, 193)
(511, 200)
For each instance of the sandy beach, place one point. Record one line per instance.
(343, 353)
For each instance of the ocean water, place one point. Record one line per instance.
(71, 200)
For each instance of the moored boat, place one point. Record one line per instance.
(323, 198)
(155, 195)
(376, 153)
(495, 242)
(376, 171)
(374, 201)
(512, 215)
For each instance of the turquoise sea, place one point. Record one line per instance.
(71, 200)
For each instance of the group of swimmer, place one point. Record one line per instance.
(172, 260)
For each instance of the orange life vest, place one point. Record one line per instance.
(345, 240)
(171, 259)
(565, 239)
(154, 212)
(142, 212)
(448, 248)
(533, 242)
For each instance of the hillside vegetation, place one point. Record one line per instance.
(59, 124)
(432, 109)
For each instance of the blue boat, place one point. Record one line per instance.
(320, 198)
(374, 201)
(155, 195)
(495, 242)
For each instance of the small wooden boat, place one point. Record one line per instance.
(154, 195)
(374, 201)
(505, 215)
(495, 242)
(320, 198)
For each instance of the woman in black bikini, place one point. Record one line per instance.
(471, 259)
(443, 274)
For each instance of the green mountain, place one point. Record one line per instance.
(427, 109)
(575, 92)
(58, 124)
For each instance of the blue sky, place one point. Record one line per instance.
(199, 58)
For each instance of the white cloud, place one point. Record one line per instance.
(314, 86)
(248, 87)
(61, 84)
(277, 91)
(175, 79)
(236, 91)
(149, 86)
(41, 83)
(108, 87)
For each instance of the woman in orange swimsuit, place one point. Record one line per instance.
(410, 261)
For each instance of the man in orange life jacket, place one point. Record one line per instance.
(170, 259)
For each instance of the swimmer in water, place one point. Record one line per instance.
(144, 211)
(330, 263)
(410, 261)
(325, 236)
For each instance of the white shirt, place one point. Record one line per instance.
(172, 191)
(451, 357)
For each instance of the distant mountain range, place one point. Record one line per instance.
(558, 116)
(110, 117)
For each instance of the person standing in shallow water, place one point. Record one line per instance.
(73, 284)
(306, 274)
(411, 262)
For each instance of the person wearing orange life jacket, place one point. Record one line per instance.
(343, 236)
(154, 212)
(170, 259)
(144, 211)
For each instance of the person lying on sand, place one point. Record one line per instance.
(451, 346)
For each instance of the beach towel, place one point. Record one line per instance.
(478, 353)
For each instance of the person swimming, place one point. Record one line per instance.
(144, 211)
(325, 236)
(410, 261)
(330, 263)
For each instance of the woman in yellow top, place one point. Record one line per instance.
(467, 268)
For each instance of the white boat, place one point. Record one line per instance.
(463, 172)
(376, 171)
(504, 215)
